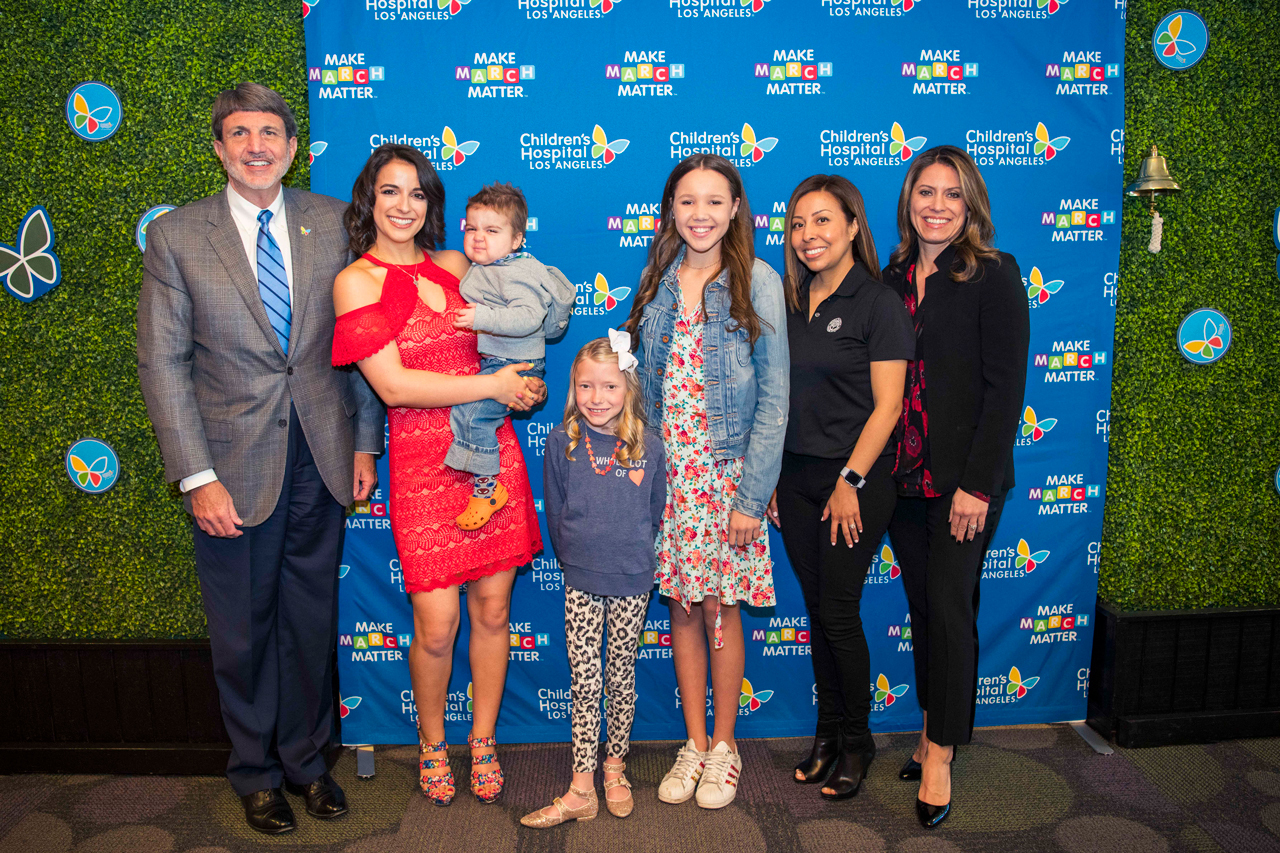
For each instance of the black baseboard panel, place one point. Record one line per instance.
(1159, 678)
(179, 759)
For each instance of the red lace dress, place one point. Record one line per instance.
(426, 496)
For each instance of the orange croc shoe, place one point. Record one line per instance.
(480, 510)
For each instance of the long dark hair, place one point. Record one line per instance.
(737, 249)
(975, 243)
(864, 247)
(362, 233)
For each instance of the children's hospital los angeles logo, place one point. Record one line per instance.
(1004, 689)
(596, 297)
(850, 147)
(991, 10)
(446, 151)
(592, 150)
(743, 148)
(414, 10)
(867, 8)
(1000, 147)
(93, 111)
(717, 8)
(535, 10)
(346, 75)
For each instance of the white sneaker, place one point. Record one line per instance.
(719, 784)
(682, 779)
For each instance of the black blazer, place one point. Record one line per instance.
(975, 337)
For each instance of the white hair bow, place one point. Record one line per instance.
(620, 343)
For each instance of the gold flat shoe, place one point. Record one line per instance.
(586, 811)
(618, 808)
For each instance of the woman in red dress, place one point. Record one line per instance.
(401, 290)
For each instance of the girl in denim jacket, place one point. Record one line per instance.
(711, 322)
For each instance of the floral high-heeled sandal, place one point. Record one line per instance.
(485, 784)
(438, 788)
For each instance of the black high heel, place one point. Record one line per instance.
(847, 775)
(930, 815)
(817, 767)
(910, 771)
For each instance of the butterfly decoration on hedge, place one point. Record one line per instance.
(886, 694)
(92, 474)
(888, 563)
(1039, 289)
(1212, 341)
(1049, 147)
(903, 146)
(86, 119)
(348, 705)
(756, 148)
(752, 699)
(1034, 427)
(602, 147)
(459, 151)
(1018, 684)
(1026, 559)
(1174, 46)
(314, 150)
(454, 6)
(30, 269)
(609, 297)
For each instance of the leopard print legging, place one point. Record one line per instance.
(585, 616)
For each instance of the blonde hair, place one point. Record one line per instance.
(631, 422)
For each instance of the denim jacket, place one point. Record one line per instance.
(747, 390)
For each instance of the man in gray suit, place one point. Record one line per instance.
(268, 442)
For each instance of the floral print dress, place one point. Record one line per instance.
(695, 558)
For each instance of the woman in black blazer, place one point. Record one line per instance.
(954, 460)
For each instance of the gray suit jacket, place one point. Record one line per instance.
(216, 382)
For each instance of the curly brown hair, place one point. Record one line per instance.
(362, 232)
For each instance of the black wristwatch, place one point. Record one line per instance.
(852, 477)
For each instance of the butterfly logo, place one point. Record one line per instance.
(606, 6)
(757, 148)
(348, 705)
(342, 571)
(888, 563)
(454, 6)
(31, 269)
(903, 146)
(886, 694)
(1036, 428)
(751, 698)
(307, 6)
(86, 119)
(1039, 289)
(315, 150)
(1212, 341)
(602, 147)
(1174, 46)
(1026, 559)
(469, 697)
(907, 6)
(1049, 147)
(1054, 5)
(756, 5)
(1018, 684)
(93, 474)
(610, 298)
(453, 149)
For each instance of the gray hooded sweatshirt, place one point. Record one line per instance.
(519, 305)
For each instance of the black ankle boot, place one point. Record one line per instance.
(821, 759)
(847, 774)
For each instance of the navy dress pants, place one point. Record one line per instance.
(940, 577)
(271, 599)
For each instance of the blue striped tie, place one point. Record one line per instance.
(273, 283)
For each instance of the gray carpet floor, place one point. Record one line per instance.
(1037, 788)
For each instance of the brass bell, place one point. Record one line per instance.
(1153, 177)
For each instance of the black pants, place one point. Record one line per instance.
(831, 578)
(941, 577)
(271, 598)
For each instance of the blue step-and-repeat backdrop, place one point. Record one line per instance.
(587, 105)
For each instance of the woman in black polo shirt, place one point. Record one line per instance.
(850, 340)
(955, 442)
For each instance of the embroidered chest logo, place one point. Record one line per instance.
(834, 325)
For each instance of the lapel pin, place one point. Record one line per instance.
(305, 230)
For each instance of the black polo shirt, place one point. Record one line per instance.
(831, 355)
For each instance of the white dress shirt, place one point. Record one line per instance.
(245, 215)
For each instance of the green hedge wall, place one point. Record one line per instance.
(1192, 520)
(118, 564)
(1192, 517)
